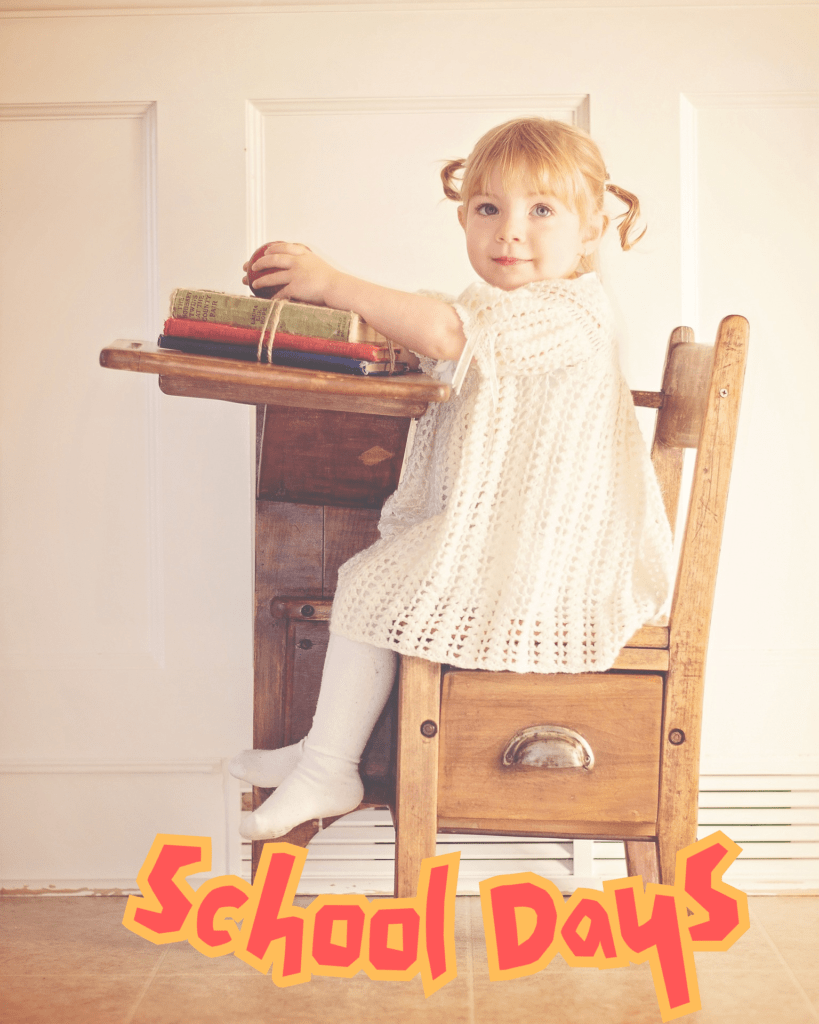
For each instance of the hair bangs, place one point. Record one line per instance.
(522, 153)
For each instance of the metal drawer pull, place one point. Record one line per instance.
(549, 746)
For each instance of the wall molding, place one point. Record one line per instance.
(70, 887)
(82, 767)
(573, 104)
(144, 111)
(753, 99)
(76, 111)
(690, 104)
(574, 107)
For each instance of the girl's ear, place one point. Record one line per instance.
(462, 216)
(596, 230)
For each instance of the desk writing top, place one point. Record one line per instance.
(233, 380)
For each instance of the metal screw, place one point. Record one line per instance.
(429, 728)
(307, 610)
(676, 736)
(305, 644)
(723, 392)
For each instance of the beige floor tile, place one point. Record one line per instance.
(70, 999)
(203, 999)
(182, 958)
(792, 923)
(69, 934)
(69, 959)
(575, 996)
(751, 950)
(751, 997)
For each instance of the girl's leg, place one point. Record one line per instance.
(355, 684)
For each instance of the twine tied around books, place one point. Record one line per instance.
(271, 323)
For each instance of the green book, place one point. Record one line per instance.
(249, 311)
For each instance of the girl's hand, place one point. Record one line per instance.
(294, 271)
(422, 323)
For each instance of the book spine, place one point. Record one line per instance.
(250, 312)
(205, 347)
(336, 364)
(227, 334)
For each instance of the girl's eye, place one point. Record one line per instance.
(541, 210)
(486, 209)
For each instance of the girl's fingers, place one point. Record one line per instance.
(271, 279)
(291, 248)
(279, 261)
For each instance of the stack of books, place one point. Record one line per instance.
(312, 337)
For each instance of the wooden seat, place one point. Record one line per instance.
(611, 755)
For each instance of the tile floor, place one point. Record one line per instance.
(68, 960)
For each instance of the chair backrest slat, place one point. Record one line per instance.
(685, 391)
(668, 459)
(697, 571)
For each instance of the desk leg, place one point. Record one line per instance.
(298, 551)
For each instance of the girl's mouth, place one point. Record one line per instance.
(507, 261)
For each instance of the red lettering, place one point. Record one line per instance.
(722, 910)
(435, 901)
(275, 886)
(159, 915)
(216, 899)
(175, 905)
(599, 935)
(329, 953)
(526, 920)
(510, 904)
(434, 923)
(506, 899)
(723, 916)
(661, 933)
(385, 958)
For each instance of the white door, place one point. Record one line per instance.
(145, 150)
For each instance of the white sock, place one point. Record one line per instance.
(355, 685)
(266, 768)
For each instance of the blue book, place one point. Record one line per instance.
(282, 357)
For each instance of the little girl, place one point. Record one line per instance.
(528, 533)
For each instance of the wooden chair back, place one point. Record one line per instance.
(702, 389)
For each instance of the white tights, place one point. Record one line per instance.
(318, 777)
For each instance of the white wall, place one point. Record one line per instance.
(148, 149)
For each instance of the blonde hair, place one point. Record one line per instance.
(542, 150)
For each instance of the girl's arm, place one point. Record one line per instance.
(424, 324)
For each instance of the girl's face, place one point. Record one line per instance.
(516, 234)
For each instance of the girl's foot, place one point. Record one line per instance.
(266, 768)
(320, 787)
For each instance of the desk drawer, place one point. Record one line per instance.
(618, 716)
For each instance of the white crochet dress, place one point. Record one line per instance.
(528, 532)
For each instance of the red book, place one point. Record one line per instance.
(179, 328)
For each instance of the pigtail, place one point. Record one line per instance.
(628, 220)
(448, 178)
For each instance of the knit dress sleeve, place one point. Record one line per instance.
(546, 326)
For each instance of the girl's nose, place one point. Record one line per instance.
(510, 229)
